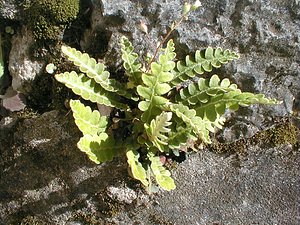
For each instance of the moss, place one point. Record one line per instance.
(32, 220)
(48, 18)
(284, 132)
(87, 219)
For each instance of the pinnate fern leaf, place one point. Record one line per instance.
(161, 174)
(211, 97)
(217, 104)
(199, 127)
(88, 89)
(203, 61)
(137, 169)
(88, 121)
(93, 70)
(99, 148)
(158, 129)
(155, 84)
(130, 63)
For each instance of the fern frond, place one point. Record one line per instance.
(99, 148)
(158, 128)
(230, 100)
(201, 91)
(94, 70)
(137, 169)
(200, 127)
(131, 65)
(161, 174)
(88, 89)
(179, 136)
(88, 121)
(211, 97)
(202, 62)
(156, 84)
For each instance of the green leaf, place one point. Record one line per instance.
(155, 84)
(158, 128)
(94, 70)
(199, 126)
(144, 106)
(189, 68)
(137, 170)
(131, 65)
(88, 121)
(99, 148)
(161, 174)
(88, 89)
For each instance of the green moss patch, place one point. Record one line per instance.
(48, 18)
(284, 132)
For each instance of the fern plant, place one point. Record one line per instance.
(161, 114)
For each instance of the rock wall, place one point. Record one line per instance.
(45, 179)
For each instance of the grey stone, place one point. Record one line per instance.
(123, 195)
(11, 9)
(44, 175)
(260, 188)
(22, 67)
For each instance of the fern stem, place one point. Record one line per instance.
(165, 39)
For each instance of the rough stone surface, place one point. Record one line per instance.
(45, 178)
(44, 175)
(265, 33)
(260, 188)
(22, 67)
(10, 9)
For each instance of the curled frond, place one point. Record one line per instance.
(88, 121)
(88, 89)
(203, 61)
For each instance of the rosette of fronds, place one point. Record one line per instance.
(160, 116)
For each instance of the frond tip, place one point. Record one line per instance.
(161, 174)
(99, 148)
(88, 121)
(202, 62)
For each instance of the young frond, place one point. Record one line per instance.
(158, 129)
(88, 121)
(137, 169)
(203, 61)
(88, 89)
